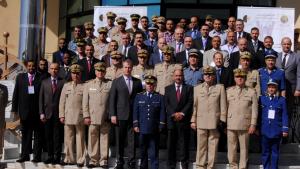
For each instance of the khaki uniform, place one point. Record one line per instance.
(139, 72)
(95, 106)
(253, 81)
(3, 104)
(118, 37)
(113, 72)
(242, 112)
(100, 50)
(210, 107)
(111, 30)
(70, 107)
(164, 75)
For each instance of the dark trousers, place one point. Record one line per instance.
(149, 143)
(124, 130)
(53, 133)
(29, 128)
(178, 139)
(270, 152)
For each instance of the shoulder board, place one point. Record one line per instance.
(231, 87)
(89, 80)
(219, 84)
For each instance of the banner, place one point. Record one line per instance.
(271, 21)
(100, 18)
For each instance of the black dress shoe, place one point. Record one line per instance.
(104, 166)
(23, 159)
(119, 166)
(36, 160)
(91, 165)
(48, 161)
(80, 165)
(131, 165)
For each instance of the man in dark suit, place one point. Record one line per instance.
(223, 75)
(125, 44)
(87, 63)
(267, 50)
(194, 28)
(122, 94)
(157, 56)
(289, 61)
(139, 44)
(62, 48)
(203, 43)
(48, 107)
(239, 29)
(152, 36)
(25, 104)
(255, 46)
(179, 105)
(64, 70)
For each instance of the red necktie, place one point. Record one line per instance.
(89, 65)
(30, 80)
(54, 86)
(178, 95)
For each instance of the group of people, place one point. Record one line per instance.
(225, 85)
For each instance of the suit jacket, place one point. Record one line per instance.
(121, 47)
(291, 71)
(3, 104)
(197, 33)
(245, 35)
(58, 56)
(49, 101)
(210, 106)
(26, 105)
(181, 58)
(85, 75)
(260, 46)
(234, 61)
(185, 104)
(173, 44)
(242, 108)
(208, 57)
(93, 94)
(148, 43)
(132, 53)
(227, 78)
(260, 57)
(198, 44)
(64, 73)
(120, 101)
(155, 57)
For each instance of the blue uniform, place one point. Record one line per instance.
(149, 116)
(192, 77)
(276, 75)
(274, 121)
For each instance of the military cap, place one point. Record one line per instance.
(89, 25)
(167, 49)
(75, 68)
(161, 19)
(111, 15)
(142, 53)
(152, 26)
(154, 18)
(121, 20)
(115, 55)
(102, 30)
(245, 55)
(80, 42)
(135, 16)
(193, 52)
(100, 66)
(150, 79)
(239, 72)
(270, 54)
(209, 18)
(272, 82)
(209, 70)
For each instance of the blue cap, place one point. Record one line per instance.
(270, 54)
(152, 26)
(272, 82)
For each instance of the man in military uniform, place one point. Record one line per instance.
(161, 23)
(101, 47)
(89, 33)
(3, 104)
(148, 120)
(142, 69)
(271, 72)
(210, 111)
(111, 27)
(95, 114)
(164, 71)
(134, 24)
(241, 119)
(121, 30)
(80, 50)
(115, 70)
(70, 114)
(192, 74)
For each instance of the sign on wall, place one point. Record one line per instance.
(271, 21)
(100, 18)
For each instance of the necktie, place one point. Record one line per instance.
(240, 33)
(178, 47)
(283, 61)
(161, 57)
(30, 80)
(149, 95)
(255, 46)
(218, 75)
(54, 85)
(178, 95)
(128, 85)
(204, 43)
(89, 65)
(193, 34)
(152, 42)
(124, 50)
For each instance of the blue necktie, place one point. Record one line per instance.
(218, 76)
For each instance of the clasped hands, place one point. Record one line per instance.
(178, 116)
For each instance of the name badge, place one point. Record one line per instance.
(93, 89)
(271, 114)
(30, 89)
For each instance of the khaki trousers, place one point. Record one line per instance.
(236, 137)
(207, 146)
(98, 143)
(74, 134)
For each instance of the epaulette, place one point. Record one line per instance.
(231, 87)
(220, 84)
(87, 81)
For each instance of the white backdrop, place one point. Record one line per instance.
(121, 11)
(271, 21)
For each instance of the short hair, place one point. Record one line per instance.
(254, 29)
(220, 53)
(240, 20)
(27, 61)
(268, 37)
(216, 37)
(139, 32)
(62, 39)
(204, 25)
(78, 26)
(89, 44)
(128, 61)
(216, 19)
(144, 17)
